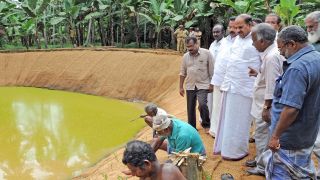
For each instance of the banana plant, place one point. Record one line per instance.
(67, 17)
(287, 10)
(159, 14)
(16, 22)
(36, 12)
(256, 7)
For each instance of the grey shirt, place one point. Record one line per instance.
(197, 69)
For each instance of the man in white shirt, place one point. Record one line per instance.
(232, 139)
(218, 33)
(221, 61)
(263, 37)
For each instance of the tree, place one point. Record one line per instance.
(287, 10)
(36, 11)
(158, 14)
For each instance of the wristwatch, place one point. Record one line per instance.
(266, 107)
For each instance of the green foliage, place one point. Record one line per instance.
(253, 7)
(21, 18)
(56, 20)
(287, 10)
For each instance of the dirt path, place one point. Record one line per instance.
(123, 74)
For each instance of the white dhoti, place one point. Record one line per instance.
(216, 105)
(261, 136)
(234, 126)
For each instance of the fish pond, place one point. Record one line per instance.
(51, 134)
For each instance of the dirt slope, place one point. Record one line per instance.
(123, 74)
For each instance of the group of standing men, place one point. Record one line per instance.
(181, 34)
(259, 72)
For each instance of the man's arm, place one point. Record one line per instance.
(287, 117)
(273, 70)
(148, 120)
(182, 78)
(156, 143)
(211, 61)
(266, 112)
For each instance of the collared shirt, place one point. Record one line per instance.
(270, 70)
(317, 46)
(184, 136)
(197, 69)
(214, 48)
(299, 87)
(243, 55)
(181, 33)
(221, 60)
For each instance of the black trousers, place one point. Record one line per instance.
(201, 95)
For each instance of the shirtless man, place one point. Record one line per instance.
(143, 163)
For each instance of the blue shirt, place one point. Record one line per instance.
(317, 46)
(299, 87)
(184, 136)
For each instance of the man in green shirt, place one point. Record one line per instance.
(179, 135)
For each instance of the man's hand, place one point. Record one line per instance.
(252, 72)
(274, 143)
(210, 88)
(181, 92)
(127, 172)
(266, 115)
(148, 120)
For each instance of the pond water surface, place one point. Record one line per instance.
(49, 134)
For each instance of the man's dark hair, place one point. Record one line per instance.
(137, 152)
(257, 20)
(151, 107)
(219, 26)
(232, 18)
(192, 38)
(276, 15)
(293, 33)
(246, 17)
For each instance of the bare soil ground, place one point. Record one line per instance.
(149, 75)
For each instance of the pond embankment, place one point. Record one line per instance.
(123, 74)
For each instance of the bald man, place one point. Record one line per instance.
(235, 119)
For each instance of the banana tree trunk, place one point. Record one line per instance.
(136, 30)
(102, 32)
(53, 33)
(89, 30)
(37, 39)
(111, 27)
(157, 40)
(122, 30)
(93, 30)
(78, 30)
(45, 34)
(173, 42)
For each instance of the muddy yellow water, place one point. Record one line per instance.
(48, 134)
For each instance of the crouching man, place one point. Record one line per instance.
(142, 162)
(179, 136)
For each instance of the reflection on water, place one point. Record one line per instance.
(42, 137)
(44, 121)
